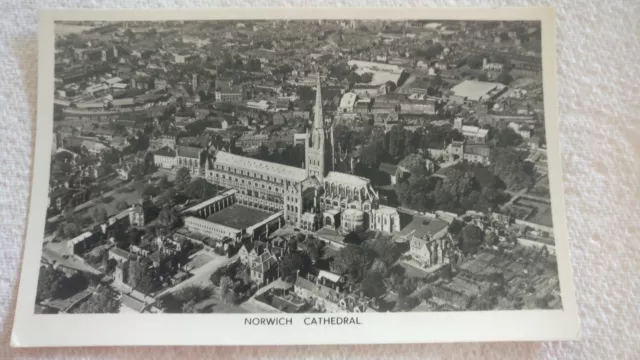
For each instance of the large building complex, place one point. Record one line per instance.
(308, 198)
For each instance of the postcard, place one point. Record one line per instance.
(296, 176)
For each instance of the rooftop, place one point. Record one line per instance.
(477, 90)
(212, 200)
(482, 150)
(418, 229)
(328, 275)
(264, 262)
(347, 179)
(122, 253)
(238, 216)
(386, 210)
(474, 130)
(81, 237)
(166, 151)
(190, 152)
(348, 100)
(265, 167)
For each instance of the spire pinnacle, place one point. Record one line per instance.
(318, 120)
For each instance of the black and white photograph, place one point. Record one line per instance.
(297, 166)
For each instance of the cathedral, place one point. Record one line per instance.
(308, 198)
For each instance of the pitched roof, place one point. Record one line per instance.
(330, 276)
(259, 166)
(264, 262)
(122, 253)
(317, 289)
(190, 152)
(166, 151)
(482, 150)
(141, 154)
(347, 179)
(156, 257)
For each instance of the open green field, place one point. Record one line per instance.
(541, 214)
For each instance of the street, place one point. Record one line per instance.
(202, 274)
(70, 262)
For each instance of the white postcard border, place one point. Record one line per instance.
(31, 330)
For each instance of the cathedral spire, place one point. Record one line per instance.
(318, 120)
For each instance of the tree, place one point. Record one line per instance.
(470, 238)
(140, 277)
(290, 264)
(352, 238)
(69, 228)
(230, 297)
(507, 137)
(215, 278)
(354, 78)
(436, 82)
(366, 78)
(50, 283)
(504, 78)
(246, 275)
(407, 303)
(384, 249)
(200, 189)
(434, 50)
(188, 307)
(352, 261)
(373, 284)
(226, 284)
(510, 166)
(150, 190)
(100, 302)
(491, 239)
(129, 34)
(292, 244)
(183, 178)
(455, 227)
(122, 205)
(313, 247)
(396, 141)
(169, 217)
(414, 163)
(475, 61)
(163, 182)
(193, 293)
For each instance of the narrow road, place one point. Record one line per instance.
(71, 262)
(514, 195)
(82, 206)
(202, 274)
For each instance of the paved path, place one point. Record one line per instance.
(70, 262)
(202, 274)
(82, 206)
(514, 196)
(93, 201)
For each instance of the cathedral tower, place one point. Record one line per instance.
(318, 147)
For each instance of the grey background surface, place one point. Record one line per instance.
(598, 84)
